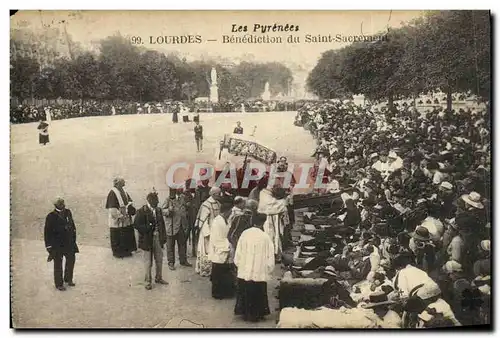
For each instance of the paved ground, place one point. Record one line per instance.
(110, 293)
(79, 164)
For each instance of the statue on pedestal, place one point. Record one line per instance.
(214, 89)
(266, 95)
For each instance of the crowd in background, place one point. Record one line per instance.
(418, 205)
(33, 113)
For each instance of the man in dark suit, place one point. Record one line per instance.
(174, 210)
(60, 241)
(152, 237)
(238, 129)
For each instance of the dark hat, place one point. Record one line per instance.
(421, 234)
(378, 299)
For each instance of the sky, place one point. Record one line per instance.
(88, 27)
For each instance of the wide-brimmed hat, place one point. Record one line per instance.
(330, 270)
(421, 234)
(473, 199)
(446, 185)
(378, 299)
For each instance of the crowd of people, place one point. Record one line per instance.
(414, 193)
(415, 188)
(226, 233)
(58, 111)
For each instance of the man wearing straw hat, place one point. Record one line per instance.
(380, 304)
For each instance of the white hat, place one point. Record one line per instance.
(473, 199)
(485, 289)
(446, 185)
(428, 290)
(486, 245)
(373, 155)
(452, 266)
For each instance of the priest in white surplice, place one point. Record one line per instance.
(277, 218)
(120, 212)
(206, 215)
(222, 274)
(254, 260)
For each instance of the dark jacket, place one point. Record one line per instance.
(201, 195)
(144, 223)
(239, 224)
(60, 232)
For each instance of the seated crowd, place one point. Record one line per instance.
(414, 212)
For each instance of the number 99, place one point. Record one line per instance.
(136, 40)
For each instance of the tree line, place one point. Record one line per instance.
(442, 50)
(119, 70)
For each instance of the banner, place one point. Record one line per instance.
(241, 147)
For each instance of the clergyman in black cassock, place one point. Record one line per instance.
(60, 241)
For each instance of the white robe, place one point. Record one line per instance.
(207, 213)
(254, 256)
(277, 217)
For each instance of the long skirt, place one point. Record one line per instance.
(43, 139)
(222, 278)
(175, 118)
(251, 300)
(123, 241)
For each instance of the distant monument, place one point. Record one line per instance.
(214, 89)
(266, 95)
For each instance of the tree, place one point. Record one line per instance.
(457, 48)
(189, 90)
(369, 67)
(325, 80)
(120, 58)
(23, 76)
